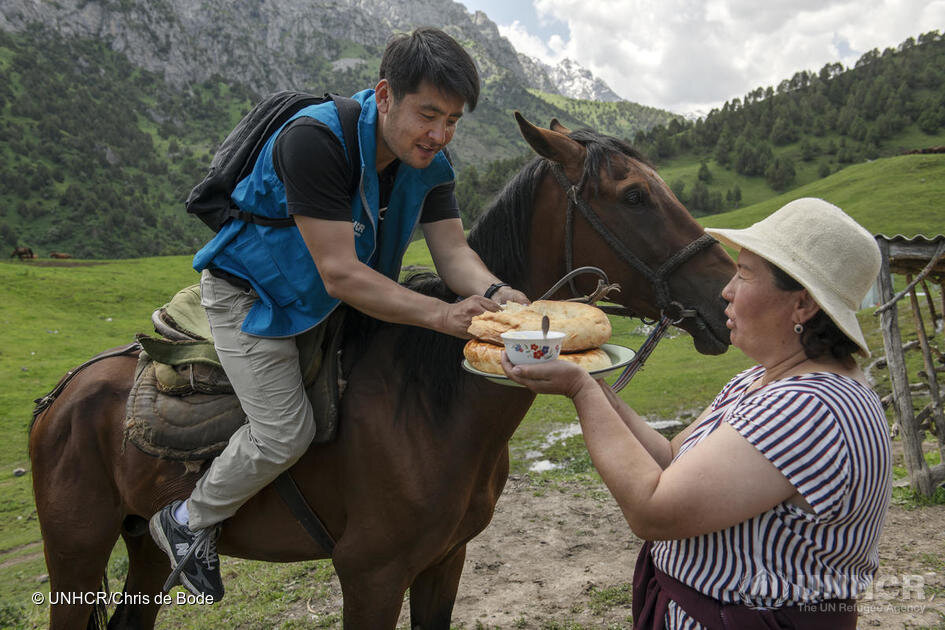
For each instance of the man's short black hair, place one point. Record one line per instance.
(429, 54)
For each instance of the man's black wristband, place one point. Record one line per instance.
(493, 288)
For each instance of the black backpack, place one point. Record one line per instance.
(210, 199)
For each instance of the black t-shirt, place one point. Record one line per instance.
(313, 166)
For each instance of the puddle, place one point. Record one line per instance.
(558, 435)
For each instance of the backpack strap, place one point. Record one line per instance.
(258, 219)
(349, 111)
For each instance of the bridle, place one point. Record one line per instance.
(671, 311)
(658, 279)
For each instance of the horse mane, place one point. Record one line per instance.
(501, 233)
(429, 362)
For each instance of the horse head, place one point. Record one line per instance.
(620, 216)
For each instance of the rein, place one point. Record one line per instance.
(671, 311)
(603, 287)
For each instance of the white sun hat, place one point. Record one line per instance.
(820, 246)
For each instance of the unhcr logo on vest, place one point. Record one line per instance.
(358, 228)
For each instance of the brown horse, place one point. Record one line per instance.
(25, 253)
(421, 453)
(59, 255)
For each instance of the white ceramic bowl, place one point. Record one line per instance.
(530, 346)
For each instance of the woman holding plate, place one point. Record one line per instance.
(766, 511)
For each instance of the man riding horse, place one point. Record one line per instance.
(261, 287)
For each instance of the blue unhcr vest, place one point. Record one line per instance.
(276, 261)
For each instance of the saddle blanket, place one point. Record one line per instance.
(182, 407)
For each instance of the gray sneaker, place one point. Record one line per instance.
(194, 560)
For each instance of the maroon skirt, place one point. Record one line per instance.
(653, 590)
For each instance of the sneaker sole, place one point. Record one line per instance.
(157, 534)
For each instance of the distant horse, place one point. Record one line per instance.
(59, 255)
(25, 253)
(421, 454)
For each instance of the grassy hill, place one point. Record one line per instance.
(55, 317)
(810, 126)
(681, 172)
(899, 195)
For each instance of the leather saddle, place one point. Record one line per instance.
(182, 406)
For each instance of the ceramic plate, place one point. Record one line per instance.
(619, 358)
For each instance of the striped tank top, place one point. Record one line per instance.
(828, 435)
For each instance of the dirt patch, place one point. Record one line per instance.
(21, 560)
(558, 555)
(564, 557)
(13, 558)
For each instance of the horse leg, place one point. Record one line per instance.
(77, 503)
(147, 569)
(76, 567)
(373, 597)
(433, 592)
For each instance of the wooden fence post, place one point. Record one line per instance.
(918, 469)
(935, 405)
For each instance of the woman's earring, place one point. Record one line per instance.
(798, 328)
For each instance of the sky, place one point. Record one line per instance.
(688, 56)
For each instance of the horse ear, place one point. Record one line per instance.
(557, 126)
(553, 145)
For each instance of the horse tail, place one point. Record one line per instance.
(98, 620)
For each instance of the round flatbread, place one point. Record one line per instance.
(487, 357)
(585, 326)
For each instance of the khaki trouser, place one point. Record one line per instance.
(265, 374)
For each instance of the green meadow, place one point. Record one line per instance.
(54, 317)
(899, 195)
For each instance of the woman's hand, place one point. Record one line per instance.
(550, 377)
(508, 294)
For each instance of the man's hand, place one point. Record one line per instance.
(457, 315)
(550, 377)
(508, 294)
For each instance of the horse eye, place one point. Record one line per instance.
(633, 197)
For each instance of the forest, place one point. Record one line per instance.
(821, 121)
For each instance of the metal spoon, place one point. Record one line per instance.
(545, 325)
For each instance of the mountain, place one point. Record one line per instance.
(568, 78)
(280, 44)
(296, 44)
(110, 110)
(576, 81)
